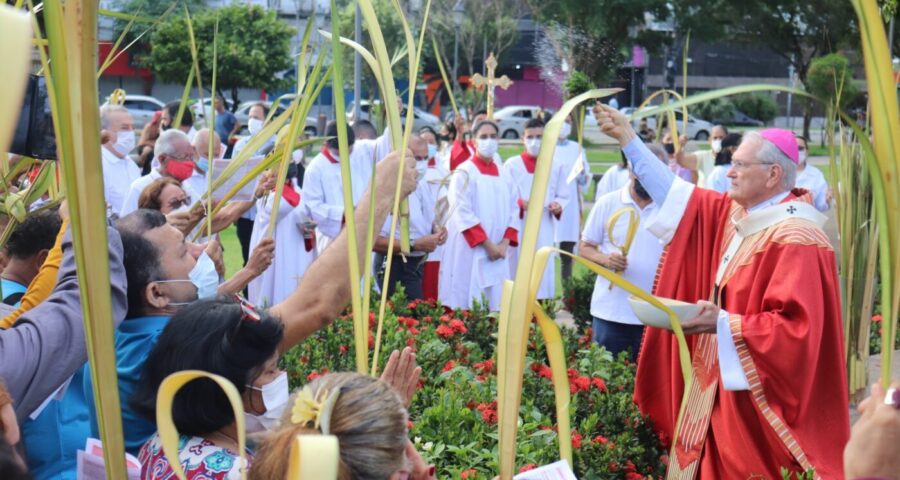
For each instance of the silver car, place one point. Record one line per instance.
(243, 114)
(142, 108)
(512, 120)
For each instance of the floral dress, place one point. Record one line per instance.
(200, 459)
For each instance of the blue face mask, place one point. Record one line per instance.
(203, 164)
(432, 150)
(203, 276)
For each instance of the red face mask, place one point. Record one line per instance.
(180, 170)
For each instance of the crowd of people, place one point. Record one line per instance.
(748, 249)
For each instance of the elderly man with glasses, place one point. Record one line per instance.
(769, 387)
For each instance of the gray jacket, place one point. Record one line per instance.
(47, 344)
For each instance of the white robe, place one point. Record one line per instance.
(476, 199)
(568, 229)
(615, 178)
(323, 191)
(557, 191)
(812, 179)
(291, 258)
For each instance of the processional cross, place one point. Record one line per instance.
(490, 82)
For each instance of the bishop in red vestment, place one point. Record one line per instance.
(770, 389)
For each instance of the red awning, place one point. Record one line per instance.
(121, 66)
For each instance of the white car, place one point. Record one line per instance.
(697, 129)
(512, 120)
(142, 108)
(242, 114)
(421, 118)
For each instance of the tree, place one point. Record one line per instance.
(596, 37)
(829, 74)
(796, 30)
(150, 9)
(253, 48)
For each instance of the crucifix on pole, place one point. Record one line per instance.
(490, 82)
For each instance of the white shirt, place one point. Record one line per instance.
(812, 179)
(134, 192)
(718, 179)
(643, 257)
(421, 216)
(195, 185)
(118, 174)
(615, 178)
(706, 162)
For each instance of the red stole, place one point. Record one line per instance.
(460, 152)
(325, 151)
(781, 327)
(485, 167)
(529, 162)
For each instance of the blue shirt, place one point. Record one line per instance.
(53, 439)
(224, 125)
(11, 288)
(135, 338)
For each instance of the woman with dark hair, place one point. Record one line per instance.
(226, 337)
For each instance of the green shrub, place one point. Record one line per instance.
(760, 106)
(577, 292)
(454, 414)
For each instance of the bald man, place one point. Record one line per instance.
(424, 235)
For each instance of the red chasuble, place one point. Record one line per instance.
(783, 297)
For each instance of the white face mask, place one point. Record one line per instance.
(421, 168)
(125, 140)
(275, 395)
(716, 146)
(533, 146)
(432, 150)
(487, 147)
(254, 125)
(565, 131)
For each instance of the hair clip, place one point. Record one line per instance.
(316, 409)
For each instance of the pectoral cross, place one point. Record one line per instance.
(490, 82)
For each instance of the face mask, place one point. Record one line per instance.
(533, 146)
(254, 125)
(803, 156)
(432, 150)
(180, 170)
(205, 277)
(125, 140)
(275, 396)
(670, 148)
(716, 146)
(421, 168)
(203, 164)
(565, 131)
(487, 147)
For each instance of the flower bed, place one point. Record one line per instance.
(454, 414)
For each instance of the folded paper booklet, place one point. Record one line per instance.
(555, 471)
(92, 467)
(245, 194)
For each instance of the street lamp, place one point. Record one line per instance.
(458, 12)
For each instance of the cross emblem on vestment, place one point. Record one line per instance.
(490, 82)
(791, 210)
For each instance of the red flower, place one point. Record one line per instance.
(629, 465)
(876, 318)
(470, 473)
(545, 372)
(613, 467)
(372, 321)
(633, 476)
(583, 384)
(599, 384)
(527, 467)
(458, 326)
(600, 439)
(444, 331)
(486, 366)
(488, 412)
(342, 349)
(371, 341)
(445, 318)
(450, 365)
(312, 376)
(411, 342)
(427, 319)
(576, 439)
(413, 331)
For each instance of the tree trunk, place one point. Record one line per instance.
(234, 98)
(807, 118)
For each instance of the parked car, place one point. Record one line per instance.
(512, 120)
(242, 114)
(697, 129)
(142, 108)
(739, 119)
(421, 118)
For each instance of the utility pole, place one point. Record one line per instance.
(357, 65)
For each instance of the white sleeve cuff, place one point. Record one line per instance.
(733, 376)
(664, 223)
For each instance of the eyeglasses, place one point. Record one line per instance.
(176, 204)
(741, 165)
